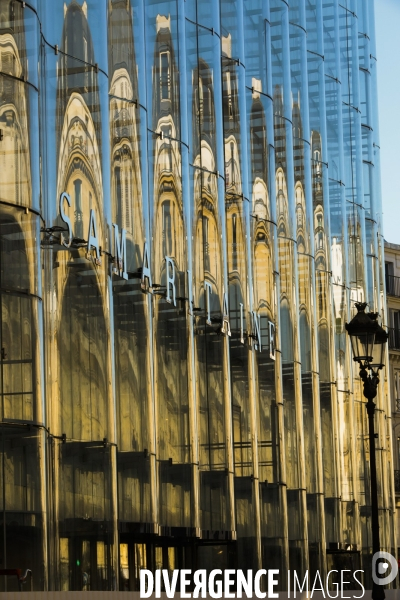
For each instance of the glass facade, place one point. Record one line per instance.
(189, 208)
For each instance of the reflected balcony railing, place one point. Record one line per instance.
(397, 481)
(393, 285)
(394, 339)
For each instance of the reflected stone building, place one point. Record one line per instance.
(392, 277)
(189, 209)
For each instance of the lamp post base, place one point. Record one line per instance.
(378, 592)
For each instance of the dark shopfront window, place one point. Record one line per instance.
(139, 551)
(86, 527)
(21, 437)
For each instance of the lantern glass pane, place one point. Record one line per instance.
(362, 345)
(378, 355)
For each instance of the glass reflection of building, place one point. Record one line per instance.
(187, 214)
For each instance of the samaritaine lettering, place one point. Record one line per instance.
(119, 268)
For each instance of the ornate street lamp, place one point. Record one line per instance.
(368, 340)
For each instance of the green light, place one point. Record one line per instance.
(78, 562)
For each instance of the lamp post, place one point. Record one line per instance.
(368, 341)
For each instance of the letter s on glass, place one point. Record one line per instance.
(66, 220)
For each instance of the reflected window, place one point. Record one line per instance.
(396, 319)
(7, 62)
(167, 147)
(64, 564)
(20, 483)
(396, 378)
(17, 360)
(7, 15)
(101, 562)
(127, 202)
(207, 103)
(305, 343)
(85, 49)
(124, 567)
(317, 159)
(228, 95)
(82, 340)
(258, 136)
(86, 59)
(205, 99)
(206, 244)
(398, 450)
(171, 560)
(320, 233)
(299, 216)
(7, 66)
(140, 560)
(123, 194)
(232, 163)
(11, 14)
(389, 269)
(264, 332)
(17, 332)
(158, 558)
(118, 193)
(201, 98)
(234, 242)
(286, 332)
(167, 228)
(78, 208)
(165, 76)
(394, 332)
